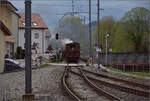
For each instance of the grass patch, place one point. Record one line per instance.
(139, 78)
(114, 69)
(139, 73)
(56, 62)
(134, 73)
(46, 65)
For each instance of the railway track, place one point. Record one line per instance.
(121, 88)
(67, 87)
(119, 80)
(99, 90)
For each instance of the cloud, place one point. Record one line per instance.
(51, 10)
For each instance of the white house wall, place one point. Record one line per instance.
(41, 39)
(47, 39)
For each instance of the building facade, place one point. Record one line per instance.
(2, 43)
(10, 19)
(40, 33)
(15, 30)
(6, 30)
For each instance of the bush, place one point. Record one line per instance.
(19, 53)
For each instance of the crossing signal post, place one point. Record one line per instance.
(57, 37)
(98, 32)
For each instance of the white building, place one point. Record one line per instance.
(40, 33)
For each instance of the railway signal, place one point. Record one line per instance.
(57, 36)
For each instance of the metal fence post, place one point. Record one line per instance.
(124, 67)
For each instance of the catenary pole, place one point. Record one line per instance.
(28, 80)
(106, 48)
(73, 7)
(90, 33)
(98, 24)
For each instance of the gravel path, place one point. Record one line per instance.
(83, 89)
(45, 83)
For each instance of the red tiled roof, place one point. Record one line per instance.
(36, 18)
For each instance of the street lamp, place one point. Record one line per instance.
(107, 36)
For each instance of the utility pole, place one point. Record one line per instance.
(90, 33)
(72, 8)
(28, 45)
(106, 48)
(28, 77)
(98, 24)
(84, 20)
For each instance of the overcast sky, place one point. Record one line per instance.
(52, 10)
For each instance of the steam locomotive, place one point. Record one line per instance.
(72, 52)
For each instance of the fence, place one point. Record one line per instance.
(135, 62)
(115, 58)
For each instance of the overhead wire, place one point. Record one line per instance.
(52, 0)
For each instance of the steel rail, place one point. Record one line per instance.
(121, 88)
(65, 85)
(120, 80)
(98, 89)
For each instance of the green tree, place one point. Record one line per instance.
(136, 25)
(106, 26)
(121, 43)
(19, 52)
